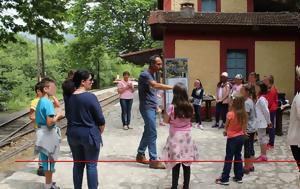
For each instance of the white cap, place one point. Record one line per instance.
(225, 74)
(238, 76)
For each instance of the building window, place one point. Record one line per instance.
(236, 63)
(209, 6)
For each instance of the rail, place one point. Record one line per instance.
(17, 134)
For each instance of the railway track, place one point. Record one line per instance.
(19, 127)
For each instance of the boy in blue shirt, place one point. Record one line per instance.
(48, 138)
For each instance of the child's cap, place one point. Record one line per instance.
(225, 74)
(239, 76)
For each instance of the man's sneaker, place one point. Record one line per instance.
(240, 181)
(140, 158)
(219, 181)
(215, 126)
(53, 186)
(222, 126)
(40, 171)
(261, 158)
(156, 165)
(200, 127)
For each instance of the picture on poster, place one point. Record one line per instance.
(176, 67)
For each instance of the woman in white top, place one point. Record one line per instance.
(126, 89)
(294, 129)
(262, 120)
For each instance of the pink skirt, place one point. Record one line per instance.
(179, 146)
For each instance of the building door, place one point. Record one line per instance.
(236, 63)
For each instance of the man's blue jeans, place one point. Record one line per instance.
(233, 149)
(150, 134)
(84, 152)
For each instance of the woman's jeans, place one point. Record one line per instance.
(197, 110)
(84, 152)
(233, 150)
(126, 105)
(221, 110)
(271, 131)
(296, 154)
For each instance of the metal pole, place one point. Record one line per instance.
(38, 70)
(42, 58)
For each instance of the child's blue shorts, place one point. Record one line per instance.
(47, 166)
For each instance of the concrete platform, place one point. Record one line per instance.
(122, 145)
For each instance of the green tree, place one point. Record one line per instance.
(119, 24)
(43, 18)
(103, 30)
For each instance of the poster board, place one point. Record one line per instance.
(176, 70)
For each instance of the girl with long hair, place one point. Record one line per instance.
(235, 129)
(248, 93)
(179, 146)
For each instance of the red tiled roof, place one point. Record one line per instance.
(141, 57)
(270, 19)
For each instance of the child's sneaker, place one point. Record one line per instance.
(200, 127)
(261, 158)
(53, 186)
(240, 181)
(219, 181)
(252, 169)
(40, 171)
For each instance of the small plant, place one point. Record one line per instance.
(4, 98)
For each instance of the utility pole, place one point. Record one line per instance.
(38, 59)
(42, 58)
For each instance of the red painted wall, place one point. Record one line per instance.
(167, 5)
(231, 41)
(218, 5)
(250, 6)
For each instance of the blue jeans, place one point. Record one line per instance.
(150, 134)
(221, 111)
(126, 105)
(233, 149)
(84, 152)
(197, 110)
(271, 131)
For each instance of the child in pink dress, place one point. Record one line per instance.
(180, 145)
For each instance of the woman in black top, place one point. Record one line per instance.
(197, 96)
